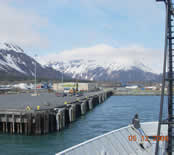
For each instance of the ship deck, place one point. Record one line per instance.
(123, 141)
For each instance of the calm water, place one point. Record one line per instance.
(116, 112)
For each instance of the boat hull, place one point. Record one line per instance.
(123, 141)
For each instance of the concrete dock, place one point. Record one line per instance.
(45, 113)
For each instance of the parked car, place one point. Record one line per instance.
(66, 90)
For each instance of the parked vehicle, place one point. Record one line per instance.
(66, 90)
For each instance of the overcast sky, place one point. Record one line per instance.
(49, 27)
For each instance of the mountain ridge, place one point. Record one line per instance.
(14, 61)
(92, 70)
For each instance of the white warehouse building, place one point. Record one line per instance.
(70, 85)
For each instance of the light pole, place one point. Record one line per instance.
(87, 68)
(62, 72)
(35, 75)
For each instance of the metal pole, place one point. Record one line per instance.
(62, 76)
(62, 72)
(163, 80)
(57, 81)
(35, 77)
(170, 86)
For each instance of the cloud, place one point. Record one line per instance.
(103, 53)
(20, 26)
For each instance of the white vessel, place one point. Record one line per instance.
(122, 142)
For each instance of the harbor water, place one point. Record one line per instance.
(116, 112)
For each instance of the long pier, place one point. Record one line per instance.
(46, 113)
(137, 93)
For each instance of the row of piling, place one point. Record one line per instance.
(50, 120)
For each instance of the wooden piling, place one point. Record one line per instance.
(29, 123)
(21, 126)
(67, 118)
(1, 126)
(46, 123)
(72, 113)
(13, 124)
(90, 104)
(63, 118)
(6, 123)
(58, 120)
(100, 99)
(83, 108)
(51, 124)
(4, 126)
(78, 110)
(38, 124)
(18, 128)
(11, 128)
(26, 128)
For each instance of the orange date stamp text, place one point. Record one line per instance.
(147, 138)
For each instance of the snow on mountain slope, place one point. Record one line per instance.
(9, 58)
(13, 61)
(10, 47)
(107, 71)
(105, 62)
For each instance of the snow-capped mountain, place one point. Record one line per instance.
(13, 61)
(105, 71)
(11, 47)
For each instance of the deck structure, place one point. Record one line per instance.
(45, 113)
(122, 142)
